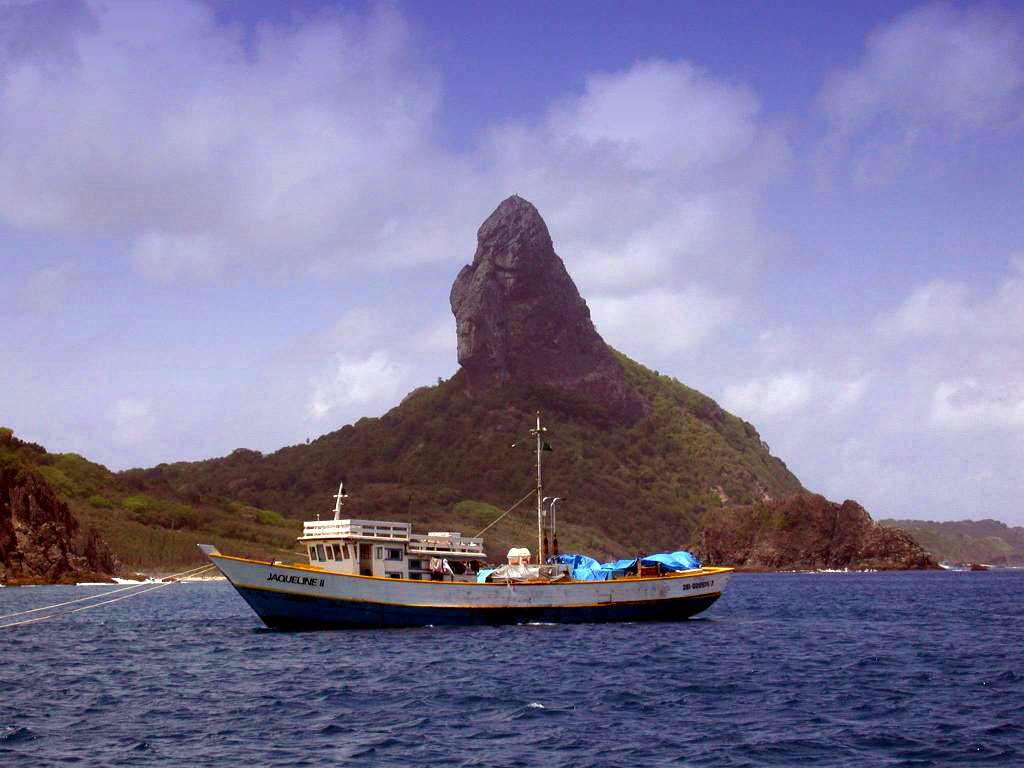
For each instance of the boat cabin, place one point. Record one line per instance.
(391, 550)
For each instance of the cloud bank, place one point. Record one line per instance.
(934, 76)
(216, 165)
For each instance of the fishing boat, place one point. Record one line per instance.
(375, 573)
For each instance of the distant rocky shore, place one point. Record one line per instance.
(41, 542)
(805, 532)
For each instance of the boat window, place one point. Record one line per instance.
(320, 552)
(378, 553)
(339, 552)
(394, 553)
(393, 575)
(330, 552)
(312, 553)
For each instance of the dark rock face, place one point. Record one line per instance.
(40, 540)
(520, 318)
(805, 532)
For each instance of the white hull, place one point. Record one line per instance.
(300, 597)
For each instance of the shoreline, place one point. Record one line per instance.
(117, 580)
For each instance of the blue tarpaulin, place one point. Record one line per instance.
(673, 561)
(583, 568)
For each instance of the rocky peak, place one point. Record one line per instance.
(520, 318)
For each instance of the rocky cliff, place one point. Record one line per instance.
(642, 460)
(804, 532)
(41, 542)
(638, 456)
(519, 317)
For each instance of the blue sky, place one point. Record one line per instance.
(230, 223)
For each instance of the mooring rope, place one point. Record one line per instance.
(102, 594)
(495, 520)
(172, 579)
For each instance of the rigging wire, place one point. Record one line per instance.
(183, 574)
(495, 520)
(96, 605)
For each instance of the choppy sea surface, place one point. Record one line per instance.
(876, 669)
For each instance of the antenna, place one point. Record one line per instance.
(340, 496)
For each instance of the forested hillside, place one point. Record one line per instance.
(154, 531)
(967, 541)
(443, 459)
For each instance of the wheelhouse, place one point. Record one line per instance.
(390, 550)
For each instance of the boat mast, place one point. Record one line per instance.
(540, 522)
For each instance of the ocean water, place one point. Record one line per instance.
(877, 669)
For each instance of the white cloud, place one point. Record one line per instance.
(162, 128)
(789, 392)
(661, 323)
(968, 405)
(312, 147)
(919, 413)
(649, 172)
(935, 73)
(772, 396)
(847, 394)
(375, 379)
(776, 345)
(659, 115)
(954, 311)
(357, 329)
(935, 308)
(436, 337)
(362, 330)
(165, 257)
(132, 421)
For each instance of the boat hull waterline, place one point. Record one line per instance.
(296, 597)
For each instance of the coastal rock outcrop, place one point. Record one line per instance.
(519, 317)
(804, 532)
(41, 542)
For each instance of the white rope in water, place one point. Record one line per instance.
(85, 607)
(184, 574)
(104, 602)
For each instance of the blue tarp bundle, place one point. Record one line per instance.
(673, 561)
(583, 568)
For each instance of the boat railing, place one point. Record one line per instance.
(445, 543)
(377, 530)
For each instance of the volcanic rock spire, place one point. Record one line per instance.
(519, 317)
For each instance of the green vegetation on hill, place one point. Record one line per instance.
(626, 487)
(967, 541)
(152, 531)
(41, 541)
(443, 460)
